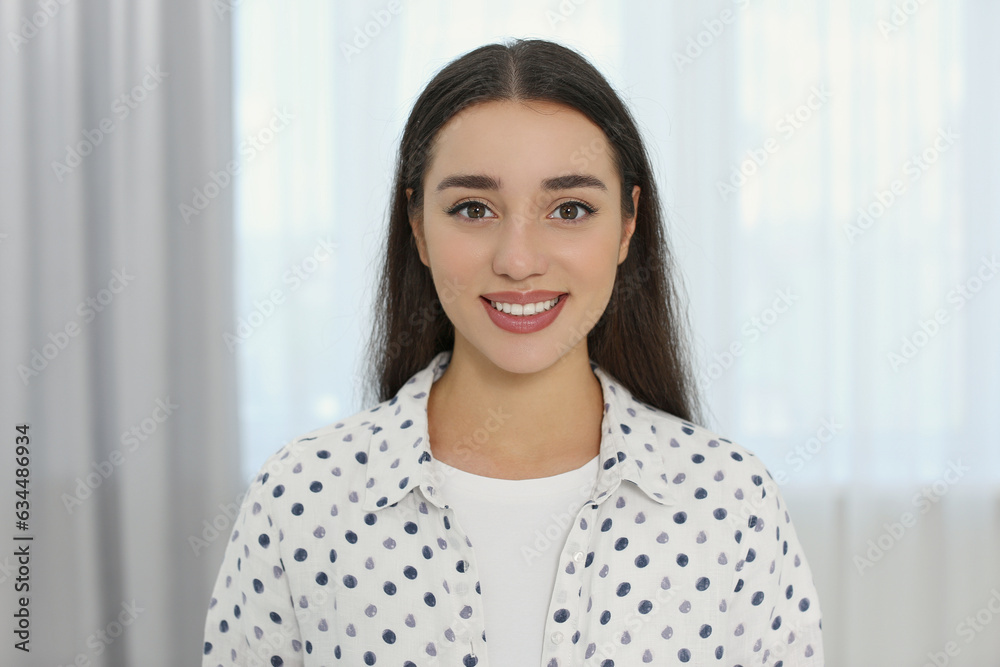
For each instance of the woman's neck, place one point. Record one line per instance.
(489, 421)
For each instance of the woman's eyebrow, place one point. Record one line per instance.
(485, 182)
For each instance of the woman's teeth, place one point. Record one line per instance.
(525, 309)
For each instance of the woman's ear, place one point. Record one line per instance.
(417, 227)
(628, 226)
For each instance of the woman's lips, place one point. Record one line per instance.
(524, 323)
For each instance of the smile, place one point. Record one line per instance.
(525, 309)
(524, 318)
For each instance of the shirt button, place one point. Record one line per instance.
(557, 637)
(578, 556)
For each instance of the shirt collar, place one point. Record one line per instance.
(399, 455)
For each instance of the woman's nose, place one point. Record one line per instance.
(520, 245)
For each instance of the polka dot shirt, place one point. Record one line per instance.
(344, 553)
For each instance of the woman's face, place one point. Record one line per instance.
(495, 219)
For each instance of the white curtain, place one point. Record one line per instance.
(113, 312)
(854, 267)
(854, 351)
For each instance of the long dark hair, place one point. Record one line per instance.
(641, 338)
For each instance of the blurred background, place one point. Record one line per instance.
(193, 199)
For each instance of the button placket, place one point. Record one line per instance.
(567, 579)
(469, 624)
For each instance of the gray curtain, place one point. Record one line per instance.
(113, 115)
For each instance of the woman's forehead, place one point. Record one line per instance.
(514, 137)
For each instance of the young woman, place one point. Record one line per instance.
(532, 488)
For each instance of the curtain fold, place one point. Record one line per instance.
(111, 114)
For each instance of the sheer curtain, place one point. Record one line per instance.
(830, 181)
(113, 309)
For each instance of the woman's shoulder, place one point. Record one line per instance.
(330, 446)
(701, 460)
(678, 438)
(685, 449)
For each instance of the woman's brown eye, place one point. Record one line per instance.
(473, 208)
(569, 211)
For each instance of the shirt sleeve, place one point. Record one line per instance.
(251, 616)
(775, 607)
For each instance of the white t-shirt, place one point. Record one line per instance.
(517, 528)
